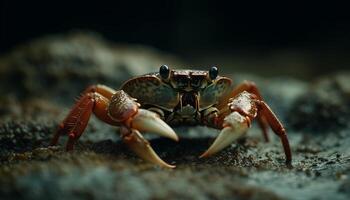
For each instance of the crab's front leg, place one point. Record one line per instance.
(236, 117)
(119, 109)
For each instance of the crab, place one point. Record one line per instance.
(152, 102)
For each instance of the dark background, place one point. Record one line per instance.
(193, 29)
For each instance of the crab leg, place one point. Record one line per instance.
(94, 99)
(277, 127)
(78, 118)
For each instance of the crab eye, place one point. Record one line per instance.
(213, 72)
(164, 71)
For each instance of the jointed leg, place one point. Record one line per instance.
(91, 101)
(101, 89)
(277, 127)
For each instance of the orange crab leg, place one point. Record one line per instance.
(101, 89)
(253, 89)
(277, 127)
(92, 101)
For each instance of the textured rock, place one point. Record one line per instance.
(61, 66)
(325, 107)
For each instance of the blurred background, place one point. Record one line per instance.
(298, 39)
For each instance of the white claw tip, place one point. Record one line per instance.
(149, 122)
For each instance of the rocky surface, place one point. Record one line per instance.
(39, 81)
(60, 66)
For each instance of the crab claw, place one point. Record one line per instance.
(133, 120)
(123, 108)
(142, 147)
(235, 125)
(147, 121)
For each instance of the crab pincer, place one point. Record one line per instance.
(234, 126)
(243, 108)
(133, 120)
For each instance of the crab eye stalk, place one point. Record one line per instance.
(164, 71)
(213, 72)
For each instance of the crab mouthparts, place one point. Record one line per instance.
(188, 98)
